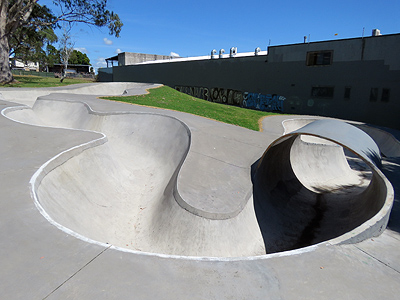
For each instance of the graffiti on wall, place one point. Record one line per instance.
(198, 92)
(263, 102)
(269, 102)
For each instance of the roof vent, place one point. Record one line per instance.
(233, 52)
(376, 32)
(213, 52)
(257, 51)
(221, 52)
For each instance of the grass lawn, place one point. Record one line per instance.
(38, 82)
(168, 98)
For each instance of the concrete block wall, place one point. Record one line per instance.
(128, 58)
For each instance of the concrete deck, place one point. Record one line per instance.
(41, 261)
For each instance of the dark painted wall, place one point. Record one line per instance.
(277, 75)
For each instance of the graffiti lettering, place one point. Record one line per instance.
(198, 92)
(269, 102)
(263, 102)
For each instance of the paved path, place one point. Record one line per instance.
(39, 261)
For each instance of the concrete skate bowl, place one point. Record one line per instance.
(28, 96)
(121, 188)
(320, 182)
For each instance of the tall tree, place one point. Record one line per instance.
(28, 42)
(52, 55)
(15, 14)
(79, 58)
(67, 47)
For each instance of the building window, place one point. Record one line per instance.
(319, 58)
(385, 95)
(322, 91)
(347, 92)
(373, 96)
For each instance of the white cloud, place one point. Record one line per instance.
(118, 51)
(107, 41)
(173, 54)
(100, 62)
(83, 50)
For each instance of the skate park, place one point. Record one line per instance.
(104, 199)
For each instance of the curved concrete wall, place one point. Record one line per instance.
(306, 193)
(123, 192)
(122, 188)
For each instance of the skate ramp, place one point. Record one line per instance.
(317, 183)
(124, 191)
(28, 96)
(306, 192)
(388, 145)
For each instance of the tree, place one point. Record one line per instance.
(79, 58)
(28, 42)
(53, 55)
(67, 47)
(16, 14)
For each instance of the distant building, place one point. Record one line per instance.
(355, 79)
(78, 69)
(130, 58)
(19, 64)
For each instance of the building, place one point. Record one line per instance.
(356, 79)
(18, 64)
(130, 58)
(72, 68)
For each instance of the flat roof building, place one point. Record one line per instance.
(356, 79)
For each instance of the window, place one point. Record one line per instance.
(319, 58)
(322, 91)
(373, 96)
(385, 95)
(347, 92)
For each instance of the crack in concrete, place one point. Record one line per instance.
(220, 160)
(70, 277)
(377, 259)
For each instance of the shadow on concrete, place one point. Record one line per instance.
(391, 169)
(309, 195)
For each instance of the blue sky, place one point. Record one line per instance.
(194, 28)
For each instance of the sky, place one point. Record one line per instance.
(194, 28)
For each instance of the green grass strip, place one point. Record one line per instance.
(39, 82)
(168, 98)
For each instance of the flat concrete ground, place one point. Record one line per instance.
(40, 261)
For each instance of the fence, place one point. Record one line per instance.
(51, 74)
(34, 73)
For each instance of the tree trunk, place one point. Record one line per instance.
(5, 72)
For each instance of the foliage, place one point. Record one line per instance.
(26, 19)
(27, 42)
(168, 98)
(92, 12)
(53, 55)
(79, 58)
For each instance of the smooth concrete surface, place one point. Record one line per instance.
(41, 261)
(311, 194)
(28, 96)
